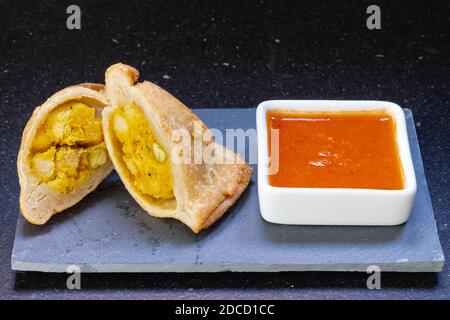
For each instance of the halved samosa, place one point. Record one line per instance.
(150, 136)
(62, 156)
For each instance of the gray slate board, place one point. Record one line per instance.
(108, 232)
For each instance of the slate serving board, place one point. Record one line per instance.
(108, 232)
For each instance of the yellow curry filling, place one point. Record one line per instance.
(68, 147)
(145, 159)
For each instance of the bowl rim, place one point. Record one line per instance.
(334, 105)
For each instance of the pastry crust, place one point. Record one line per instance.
(38, 202)
(203, 192)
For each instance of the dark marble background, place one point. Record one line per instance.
(231, 54)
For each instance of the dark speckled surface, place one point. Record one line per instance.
(231, 54)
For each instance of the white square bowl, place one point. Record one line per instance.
(334, 206)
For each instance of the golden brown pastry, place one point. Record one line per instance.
(62, 156)
(143, 130)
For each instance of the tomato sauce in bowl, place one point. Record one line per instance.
(351, 149)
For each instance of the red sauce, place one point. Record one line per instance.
(336, 150)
